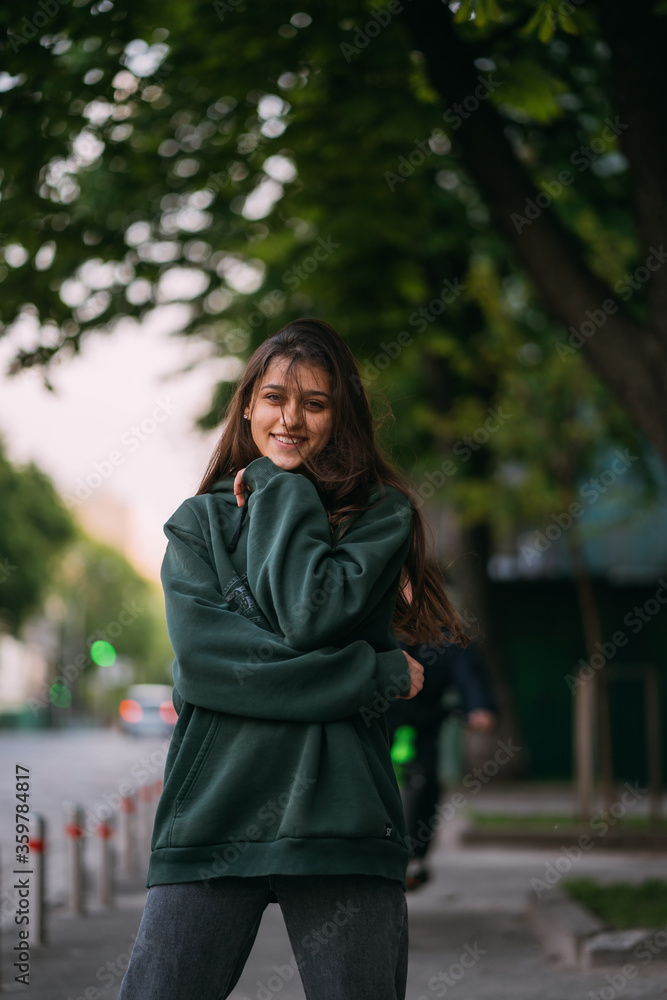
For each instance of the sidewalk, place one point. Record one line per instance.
(475, 909)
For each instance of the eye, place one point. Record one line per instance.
(315, 403)
(272, 396)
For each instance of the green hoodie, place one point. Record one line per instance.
(285, 661)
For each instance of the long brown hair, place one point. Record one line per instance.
(346, 470)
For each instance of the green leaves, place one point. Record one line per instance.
(482, 12)
(34, 528)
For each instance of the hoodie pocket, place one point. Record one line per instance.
(383, 788)
(213, 724)
(191, 743)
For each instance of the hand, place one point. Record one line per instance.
(239, 488)
(416, 677)
(481, 721)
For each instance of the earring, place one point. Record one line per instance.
(246, 417)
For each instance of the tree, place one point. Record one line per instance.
(34, 529)
(302, 144)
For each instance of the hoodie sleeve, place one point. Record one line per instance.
(227, 663)
(313, 591)
(469, 676)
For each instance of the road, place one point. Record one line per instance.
(89, 766)
(475, 905)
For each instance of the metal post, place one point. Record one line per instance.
(37, 844)
(128, 812)
(652, 696)
(583, 741)
(144, 794)
(1, 922)
(105, 831)
(74, 830)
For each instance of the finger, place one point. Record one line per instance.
(239, 488)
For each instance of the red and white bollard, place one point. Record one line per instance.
(145, 813)
(74, 831)
(37, 845)
(105, 831)
(128, 812)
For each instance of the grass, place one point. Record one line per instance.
(545, 822)
(623, 905)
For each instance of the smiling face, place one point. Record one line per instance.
(291, 415)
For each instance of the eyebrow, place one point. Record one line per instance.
(306, 392)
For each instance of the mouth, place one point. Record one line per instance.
(288, 442)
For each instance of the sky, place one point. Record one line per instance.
(120, 423)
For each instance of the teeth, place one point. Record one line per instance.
(286, 440)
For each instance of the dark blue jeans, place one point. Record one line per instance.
(349, 935)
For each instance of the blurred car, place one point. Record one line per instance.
(148, 710)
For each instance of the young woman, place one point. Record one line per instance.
(281, 581)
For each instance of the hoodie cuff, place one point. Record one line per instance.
(260, 472)
(393, 674)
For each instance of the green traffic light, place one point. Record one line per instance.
(403, 749)
(102, 653)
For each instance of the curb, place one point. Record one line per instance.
(571, 933)
(620, 947)
(517, 837)
(563, 926)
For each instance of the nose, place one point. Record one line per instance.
(292, 415)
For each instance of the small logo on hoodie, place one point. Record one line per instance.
(388, 830)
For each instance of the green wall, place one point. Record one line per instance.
(542, 643)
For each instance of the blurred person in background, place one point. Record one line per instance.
(283, 608)
(414, 728)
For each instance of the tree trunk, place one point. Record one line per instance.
(591, 697)
(470, 574)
